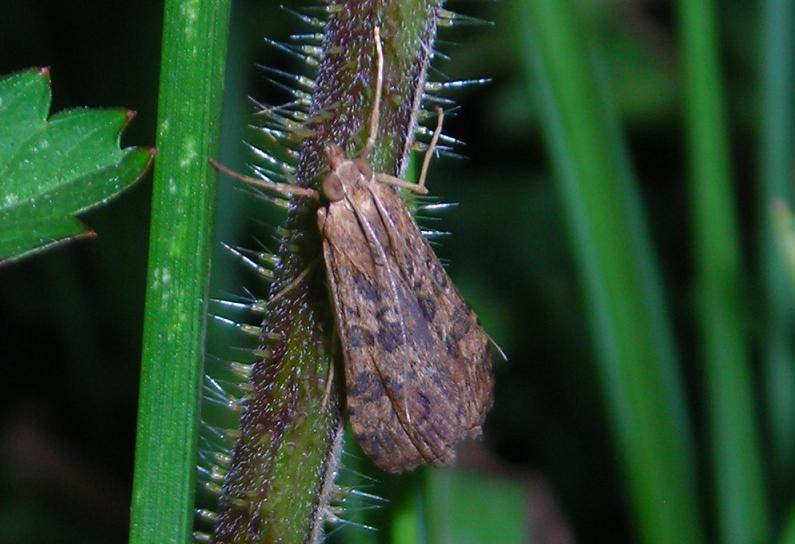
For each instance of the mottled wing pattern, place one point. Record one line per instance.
(417, 363)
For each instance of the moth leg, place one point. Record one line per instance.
(426, 161)
(284, 188)
(368, 148)
(293, 284)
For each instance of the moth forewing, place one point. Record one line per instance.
(417, 363)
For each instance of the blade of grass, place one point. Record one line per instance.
(189, 109)
(469, 508)
(788, 535)
(408, 519)
(742, 511)
(640, 377)
(777, 140)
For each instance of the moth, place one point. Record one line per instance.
(418, 369)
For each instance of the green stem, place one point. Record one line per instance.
(189, 109)
(638, 368)
(742, 511)
(777, 139)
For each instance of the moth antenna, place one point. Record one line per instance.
(376, 113)
(426, 161)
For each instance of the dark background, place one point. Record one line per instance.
(71, 318)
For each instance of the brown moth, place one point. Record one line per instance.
(418, 366)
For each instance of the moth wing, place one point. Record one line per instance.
(418, 367)
(357, 299)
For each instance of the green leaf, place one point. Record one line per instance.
(52, 170)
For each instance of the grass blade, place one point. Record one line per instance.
(777, 139)
(639, 372)
(742, 513)
(191, 82)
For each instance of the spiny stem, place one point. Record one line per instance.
(278, 487)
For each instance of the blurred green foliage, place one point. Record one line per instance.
(73, 317)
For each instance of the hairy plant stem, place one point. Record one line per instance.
(280, 482)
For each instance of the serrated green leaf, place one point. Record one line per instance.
(52, 170)
(23, 242)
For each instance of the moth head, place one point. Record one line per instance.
(332, 188)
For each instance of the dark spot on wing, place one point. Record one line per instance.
(390, 336)
(392, 385)
(428, 307)
(424, 403)
(379, 314)
(442, 383)
(365, 288)
(452, 348)
(440, 277)
(461, 323)
(366, 387)
(358, 337)
(370, 445)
